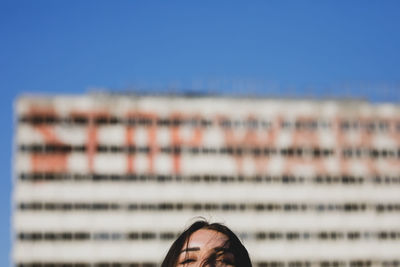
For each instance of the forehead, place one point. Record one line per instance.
(207, 239)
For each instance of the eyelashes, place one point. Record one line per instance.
(187, 261)
(223, 261)
(219, 257)
(226, 261)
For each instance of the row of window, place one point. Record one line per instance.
(370, 125)
(209, 178)
(293, 263)
(255, 151)
(99, 264)
(176, 150)
(259, 236)
(370, 152)
(168, 206)
(331, 263)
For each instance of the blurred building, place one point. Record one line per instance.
(110, 180)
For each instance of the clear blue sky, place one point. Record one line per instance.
(339, 48)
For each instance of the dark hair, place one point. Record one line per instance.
(233, 244)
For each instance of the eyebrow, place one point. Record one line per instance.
(190, 249)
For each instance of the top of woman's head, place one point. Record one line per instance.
(207, 244)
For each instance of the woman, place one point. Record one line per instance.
(205, 244)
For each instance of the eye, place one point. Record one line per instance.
(225, 259)
(224, 264)
(227, 262)
(187, 261)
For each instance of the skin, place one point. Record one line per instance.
(202, 244)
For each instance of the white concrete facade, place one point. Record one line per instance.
(111, 179)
